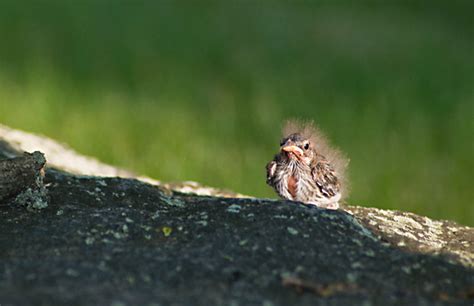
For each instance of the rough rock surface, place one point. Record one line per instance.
(122, 241)
(20, 174)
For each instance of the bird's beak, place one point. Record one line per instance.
(293, 149)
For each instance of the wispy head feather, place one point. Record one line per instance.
(310, 131)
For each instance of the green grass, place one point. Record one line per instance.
(181, 91)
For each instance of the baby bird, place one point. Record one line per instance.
(307, 169)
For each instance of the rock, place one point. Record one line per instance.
(22, 177)
(123, 241)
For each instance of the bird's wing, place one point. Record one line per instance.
(326, 179)
(271, 168)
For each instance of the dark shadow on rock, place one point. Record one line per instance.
(7, 151)
(110, 240)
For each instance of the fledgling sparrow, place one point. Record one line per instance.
(307, 169)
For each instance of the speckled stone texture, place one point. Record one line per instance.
(21, 173)
(121, 241)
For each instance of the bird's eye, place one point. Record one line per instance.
(306, 146)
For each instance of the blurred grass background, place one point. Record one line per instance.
(198, 91)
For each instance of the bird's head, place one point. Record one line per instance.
(296, 147)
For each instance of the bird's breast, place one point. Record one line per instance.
(292, 182)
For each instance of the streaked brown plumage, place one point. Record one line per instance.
(307, 169)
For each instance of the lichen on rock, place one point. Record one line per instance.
(21, 178)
